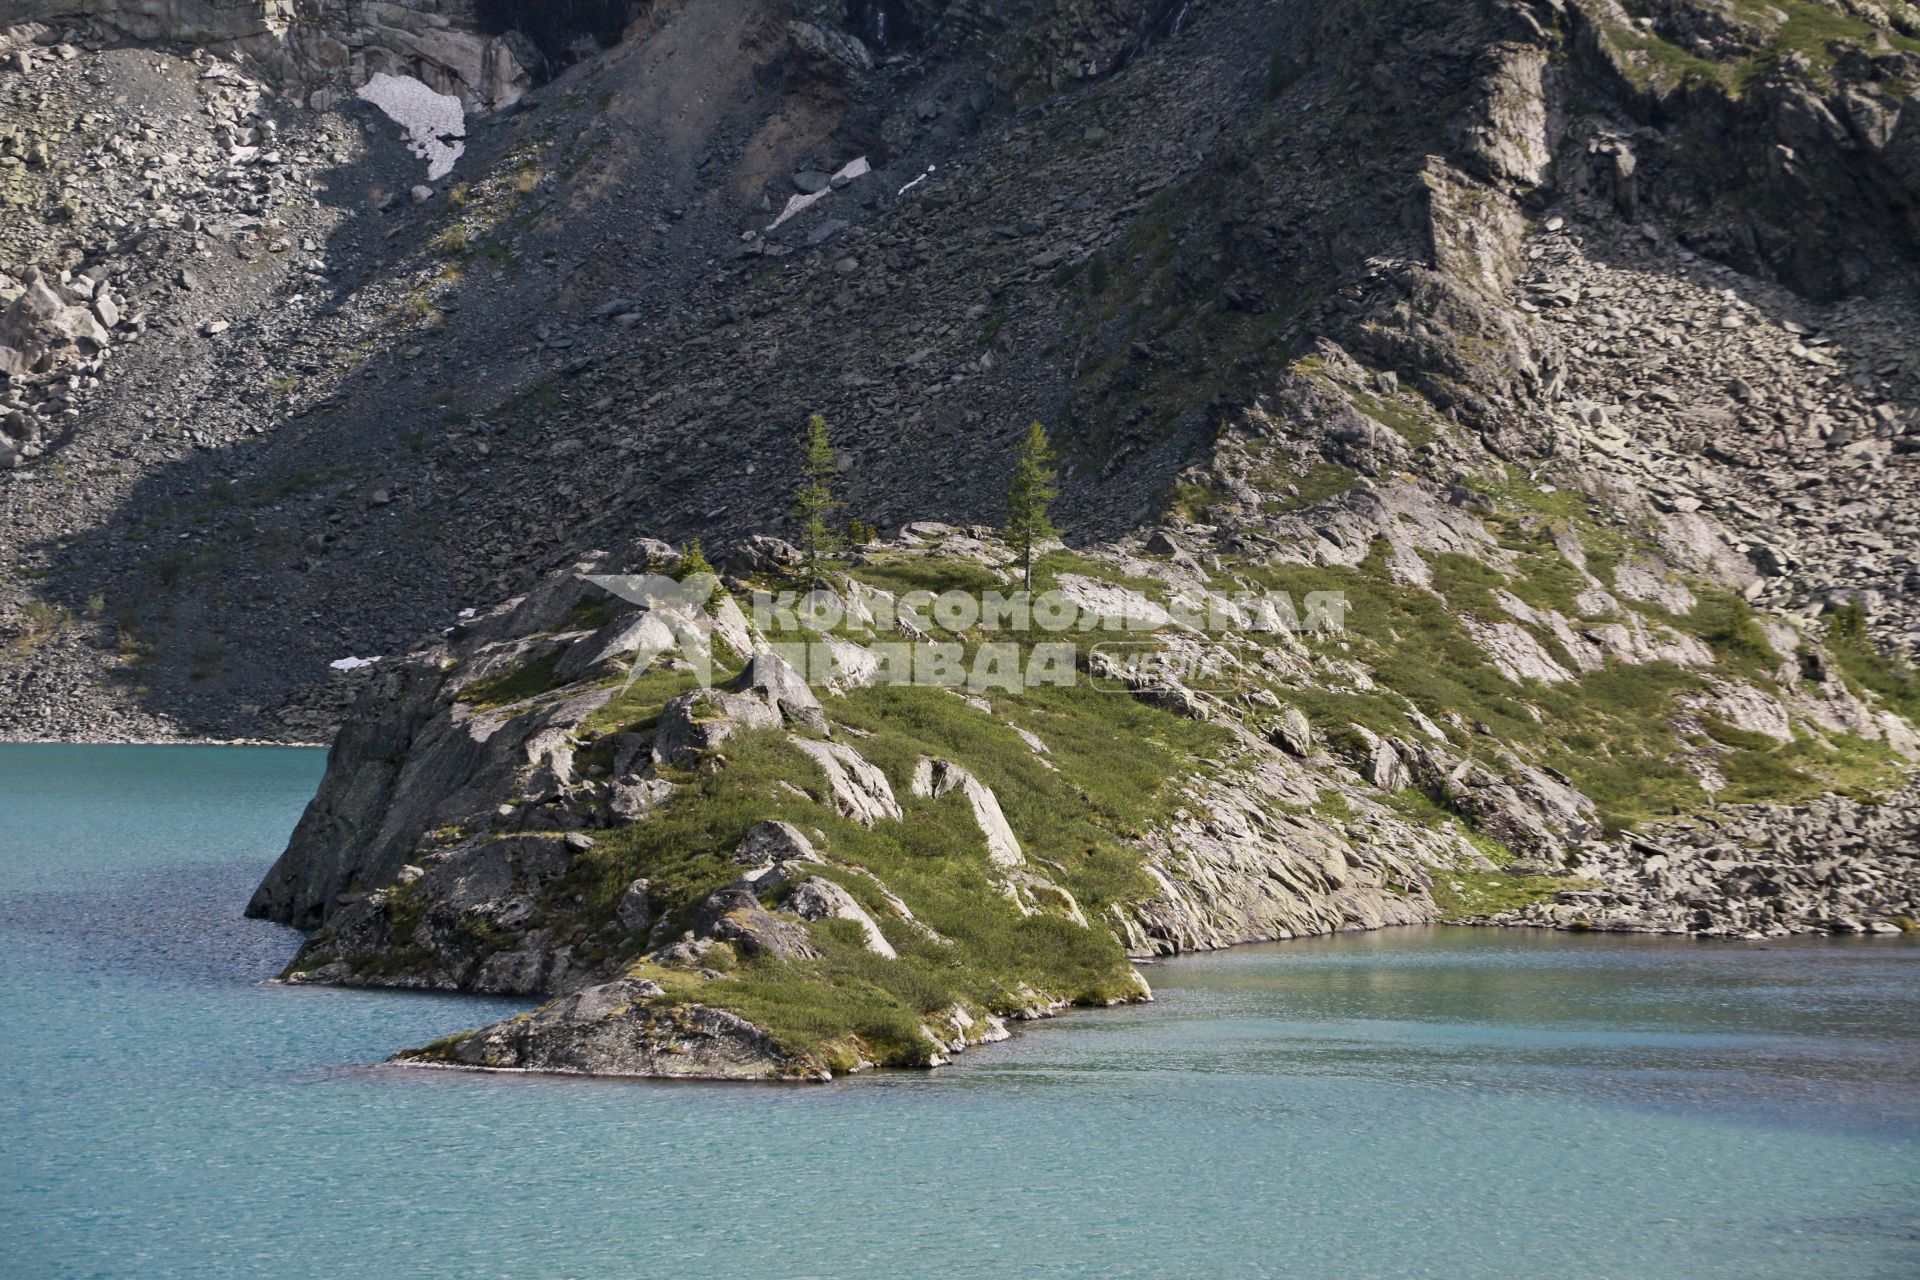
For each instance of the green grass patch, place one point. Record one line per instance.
(1476, 895)
(902, 573)
(591, 615)
(1048, 568)
(1193, 501)
(1404, 413)
(935, 860)
(1467, 583)
(1895, 682)
(528, 680)
(1731, 628)
(637, 706)
(1322, 482)
(1762, 770)
(1116, 765)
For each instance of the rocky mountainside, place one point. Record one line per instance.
(741, 876)
(1129, 231)
(1570, 342)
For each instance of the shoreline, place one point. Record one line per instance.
(1014, 1027)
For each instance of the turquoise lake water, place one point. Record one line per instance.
(1445, 1102)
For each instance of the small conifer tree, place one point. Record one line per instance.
(1849, 625)
(693, 562)
(814, 503)
(1029, 495)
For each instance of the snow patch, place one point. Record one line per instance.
(917, 181)
(436, 123)
(847, 173)
(351, 664)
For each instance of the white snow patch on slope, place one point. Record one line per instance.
(436, 123)
(857, 168)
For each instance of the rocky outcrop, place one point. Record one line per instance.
(474, 829)
(1251, 863)
(432, 754)
(855, 787)
(613, 1030)
(1807, 130)
(1834, 866)
(935, 778)
(430, 763)
(735, 916)
(453, 918)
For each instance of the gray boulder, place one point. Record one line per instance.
(759, 555)
(774, 678)
(635, 912)
(761, 697)
(632, 800)
(819, 899)
(854, 787)
(615, 1029)
(735, 916)
(1293, 733)
(774, 841)
(695, 724)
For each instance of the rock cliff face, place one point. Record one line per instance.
(1570, 342)
(327, 45)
